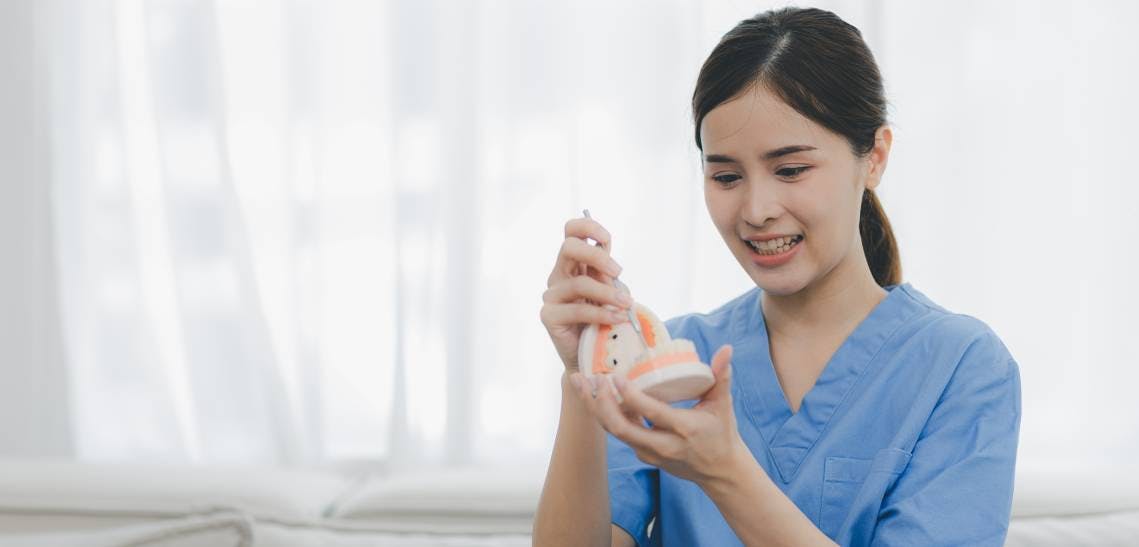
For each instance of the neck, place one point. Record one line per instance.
(843, 297)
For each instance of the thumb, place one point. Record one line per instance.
(722, 371)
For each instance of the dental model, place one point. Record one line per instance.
(667, 369)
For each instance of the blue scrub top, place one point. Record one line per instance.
(908, 437)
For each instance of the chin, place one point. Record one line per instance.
(778, 285)
(781, 283)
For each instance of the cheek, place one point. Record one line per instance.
(832, 218)
(811, 211)
(720, 207)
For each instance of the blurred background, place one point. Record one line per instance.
(317, 231)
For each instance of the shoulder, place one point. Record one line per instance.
(969, 336)
(986, 369)
(973, 358)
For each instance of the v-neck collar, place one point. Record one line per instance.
(789, 437)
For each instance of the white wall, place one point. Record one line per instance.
(33, 404)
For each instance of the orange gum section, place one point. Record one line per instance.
(647, 329)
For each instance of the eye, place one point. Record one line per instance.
(614, 361)
(726, 179)
(792, 172)
(614, 336)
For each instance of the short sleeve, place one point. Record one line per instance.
(634, 490)
(957, 488)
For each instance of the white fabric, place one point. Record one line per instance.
(222, 530)
(70, 504)
(1092, 506)
(286, 536)
(1095, 530)
(125, 493)
(309, 230)
(1043, 492)
(464, 500)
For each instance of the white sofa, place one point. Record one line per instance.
(56, 504)
(71, 504)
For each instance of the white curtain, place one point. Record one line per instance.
(307, 231)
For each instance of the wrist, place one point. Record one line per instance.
(738, 465)
(570, 395)
(566, 374)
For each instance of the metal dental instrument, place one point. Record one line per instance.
(624, 288)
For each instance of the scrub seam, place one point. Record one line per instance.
(750, 404)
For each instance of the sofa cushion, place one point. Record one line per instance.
(1119, 528)
(68, 495)
(217, 530)
(1067, 491)
(455, 500)
(49, 504)
(330, 534)
(1072, 506)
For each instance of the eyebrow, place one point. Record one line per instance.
(770, 155)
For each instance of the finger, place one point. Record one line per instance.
(579, 287)
(578, 258)
(722, 366)
(722, 358)
(587, 227)
(629, 412)
(580, 313)
(561, 274)
(722, 371)
(614, 420)
(575, 252)
(589, 390)
(658, 412)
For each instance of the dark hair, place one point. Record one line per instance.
(819, 65)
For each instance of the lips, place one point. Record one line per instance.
(774, 245)
(777, 257)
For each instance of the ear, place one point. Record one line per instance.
(878, 156)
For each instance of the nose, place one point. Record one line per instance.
(761, 203)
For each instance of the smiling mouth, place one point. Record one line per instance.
(775, 246)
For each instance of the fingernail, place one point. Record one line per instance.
(624, 299)
(594, 382)
(613, 269)
(575, 379)
(618, 317)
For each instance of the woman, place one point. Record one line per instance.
(848, 408)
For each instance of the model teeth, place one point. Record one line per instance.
(665, 348)
(775, 246)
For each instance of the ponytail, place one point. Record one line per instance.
(878, 242)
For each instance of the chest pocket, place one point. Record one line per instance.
(844, 478)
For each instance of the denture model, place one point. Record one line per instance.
(667, 369)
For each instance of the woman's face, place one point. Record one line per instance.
(770, 171)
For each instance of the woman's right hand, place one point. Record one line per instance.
(580, 287)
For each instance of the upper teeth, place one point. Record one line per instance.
(773, 244)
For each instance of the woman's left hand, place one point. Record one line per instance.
(698, 444)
